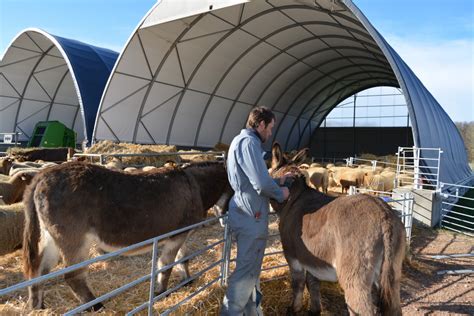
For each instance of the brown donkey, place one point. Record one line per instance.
(74, 205)
(357, 240)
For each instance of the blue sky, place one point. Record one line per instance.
(434, 37)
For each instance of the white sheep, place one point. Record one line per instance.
(12, 190)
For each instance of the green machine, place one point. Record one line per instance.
(52, 134)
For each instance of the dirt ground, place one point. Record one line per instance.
(423, 292)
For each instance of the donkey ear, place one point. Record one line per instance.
(300, 156)
(277, 156)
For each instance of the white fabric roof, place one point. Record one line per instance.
(192, 70)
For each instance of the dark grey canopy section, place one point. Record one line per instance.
(192, 70)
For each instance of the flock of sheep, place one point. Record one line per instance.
(16, 175)
(322, 177)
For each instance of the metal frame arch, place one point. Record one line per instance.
(27, 83)
(249, 49)
(328, 111)
(388, 52)
(237, 27)
(113, 71)
(349, 93)
(314, 82)
(157, 72)
(317, 93)
(279, 53)
(304, 74)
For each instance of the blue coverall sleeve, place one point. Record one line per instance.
(255, 169)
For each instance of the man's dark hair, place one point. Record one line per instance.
(258, 114)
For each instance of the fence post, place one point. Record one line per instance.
(226, 253)
(416, 169)
(397, 176)
(437, 170)
(153, 277)
(352, 190)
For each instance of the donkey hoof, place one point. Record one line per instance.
(34, 304)
(161, 292)
(97, 307)
(313, 313)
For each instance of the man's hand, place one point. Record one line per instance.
(286, 176)
(286, 193)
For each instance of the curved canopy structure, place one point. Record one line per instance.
(192, 70)
(45, 77)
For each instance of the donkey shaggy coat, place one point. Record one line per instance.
(356, 240)
(74, 205)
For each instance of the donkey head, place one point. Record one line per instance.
(281, 164)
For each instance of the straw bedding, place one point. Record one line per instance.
(110, 147)
(106, 276)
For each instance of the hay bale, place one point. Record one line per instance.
(109, 147)
(221, 147)
(11, 227)
(197, 157)
(35, 153)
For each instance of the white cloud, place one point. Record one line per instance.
(446, 68)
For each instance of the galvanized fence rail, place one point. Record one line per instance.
(420, 166)
(10, 139)
(413, 167)
(457, 215)
(228, 259)
(149, 277)
(103, 156)
(457, 209)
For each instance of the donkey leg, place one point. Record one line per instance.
(313, 283)
(358, 295)
(297, 285)
(73, 254)
(49, 254)
(183, 268)
(168, 254)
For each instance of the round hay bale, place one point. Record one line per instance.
(11, 227)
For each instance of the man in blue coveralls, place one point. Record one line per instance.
(248, 211)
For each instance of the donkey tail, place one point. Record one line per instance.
(31, 233)
(390, 276)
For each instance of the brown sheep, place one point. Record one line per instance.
(12, 191)
(5, 165)
(351, 177)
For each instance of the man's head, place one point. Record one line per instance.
(261, 119)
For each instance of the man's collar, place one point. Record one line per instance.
(251, 131)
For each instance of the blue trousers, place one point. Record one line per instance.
(251, 236)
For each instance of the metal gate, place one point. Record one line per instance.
(457, 208)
